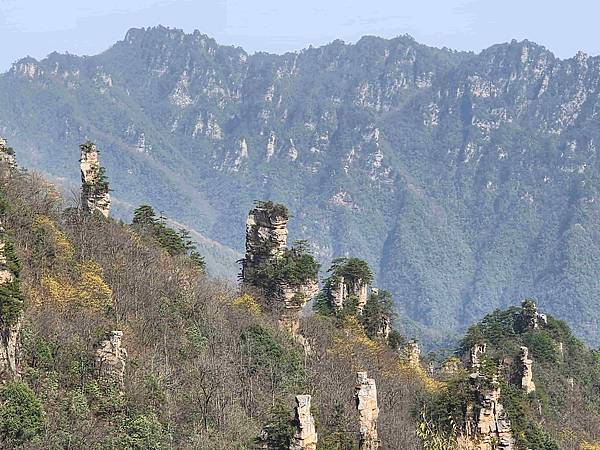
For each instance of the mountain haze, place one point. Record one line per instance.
(467, 181)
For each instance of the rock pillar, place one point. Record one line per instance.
(306, 434)
(94, 191)
(526, 371)
(110, 360)
(366, 404)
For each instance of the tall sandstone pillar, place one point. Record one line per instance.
(266, 243)
(306, 434)
(10, 322)
(368, 411)
(94, 189)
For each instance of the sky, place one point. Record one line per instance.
(82, 27)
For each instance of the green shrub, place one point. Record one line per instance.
(21, 414)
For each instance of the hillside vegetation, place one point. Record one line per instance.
(206, 367)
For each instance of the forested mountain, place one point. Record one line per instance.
(467, 181)
(112, 336)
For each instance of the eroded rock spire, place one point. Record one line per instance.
(306, 434)
(94, 191)
(12, 308)
(368, 411)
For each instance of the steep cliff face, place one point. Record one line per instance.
(11, 297)
(487, 426)
(463, 179)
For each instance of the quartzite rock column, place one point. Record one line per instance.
(11, 324)
(306, 434)
(94, 190)
(526, 371)
(366, 404)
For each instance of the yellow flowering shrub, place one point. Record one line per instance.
(88, 289)
(248, 302)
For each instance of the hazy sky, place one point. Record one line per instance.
(38, 27)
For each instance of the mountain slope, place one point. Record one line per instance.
(466, 180)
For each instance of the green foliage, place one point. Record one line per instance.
(21, 414)
(351, 269)
(273, 209)
(280, 426)
(295, 268)
(11, 298)
(269, 356)
(379, 308)
(174, 242)
(141, 432)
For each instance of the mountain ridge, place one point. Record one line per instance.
(466, 180)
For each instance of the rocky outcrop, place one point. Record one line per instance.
(306, 434)
(110, 360)
(94, 192)
(266, 235)
(384, 329)
(294, 298)
(412, 353)
(7, 155)
(526, 371)
(366, 404)
(9, 350)
(343, 287)
(487, 426)
(530, 318)
(10, 322)
(266, 246)
(476, 353)
(350, 278)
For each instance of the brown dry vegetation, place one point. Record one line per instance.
(205, 365)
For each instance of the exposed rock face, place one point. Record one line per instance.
(487, 426)
(9, 351)
(385, 328)
(526, 371)
(366, 403)
(343, 287)
(9, 330)
(6, 155)
(266, 236)
(475, 355)
(531, 319)
(110, 360)
(412, 352)
(294, 299)
(94, 193)
(266, 242)
(306, 434)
